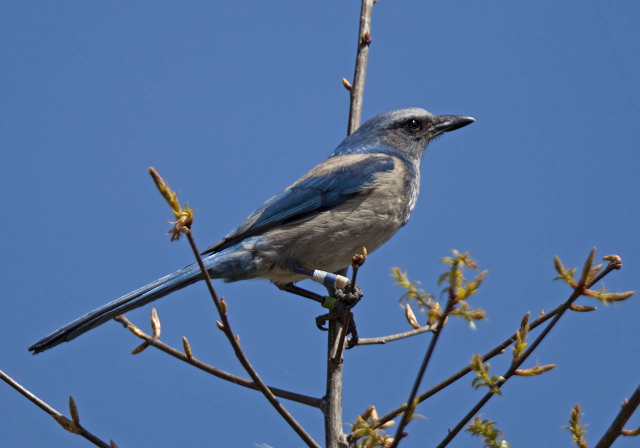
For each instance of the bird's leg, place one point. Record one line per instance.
(293, 289)
(328, 279)
(346, 296)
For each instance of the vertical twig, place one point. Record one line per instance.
(357, 87)
(334, 436)
(333, 397)
(412, 402)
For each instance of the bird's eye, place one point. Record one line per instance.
(412, 125)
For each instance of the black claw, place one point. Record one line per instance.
(321, 320)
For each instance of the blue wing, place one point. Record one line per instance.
(311, 195)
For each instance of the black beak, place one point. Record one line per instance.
(448, 123)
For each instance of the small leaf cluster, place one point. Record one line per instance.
(483, 378)
(425, 302)
(365, 432)
(589, 272)
(519, 347)
(521, 338)
(458, 287)
(577, 430)
(492, 437)
(461, 289)
(184, 215)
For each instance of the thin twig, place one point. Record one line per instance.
(498, 350)
(411, 402)
(357, 87)
(226, 328)
(577, 292)
(333, 396)
(299, 398)
(357, 261)
(616, 429)
(395, 337)
(182, 225)
(336, 358)
(69, 425)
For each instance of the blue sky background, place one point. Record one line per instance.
(232, 102)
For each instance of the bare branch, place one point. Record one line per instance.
(395, 337)
(183, 224)
(357, 88)
(628, 408)
(188, 357)
(411, 401)
(235, 344)
(70, 425)
(357, 261)
(332, 408)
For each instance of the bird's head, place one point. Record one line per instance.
(407, 131)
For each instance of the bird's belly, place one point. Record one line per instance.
(329, 240)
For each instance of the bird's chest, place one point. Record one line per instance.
(393, 195)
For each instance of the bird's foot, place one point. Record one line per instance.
(349, 296)
(345, 299)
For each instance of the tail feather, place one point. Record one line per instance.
(135, 299)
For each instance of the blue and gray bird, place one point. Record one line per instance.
(359, 197)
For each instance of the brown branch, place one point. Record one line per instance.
(395, 337)
(182, 225)
(356, 262)
(616, 429)
(336, 354)
(303, 399)
(357, 87)
(411, 401)
(235, 344)
(332, 408)
(72, 426)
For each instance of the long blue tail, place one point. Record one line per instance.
(139, 297)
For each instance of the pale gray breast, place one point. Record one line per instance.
(397, 191)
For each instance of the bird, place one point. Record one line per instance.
(360, 196)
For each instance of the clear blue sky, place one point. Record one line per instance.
(233, 101)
